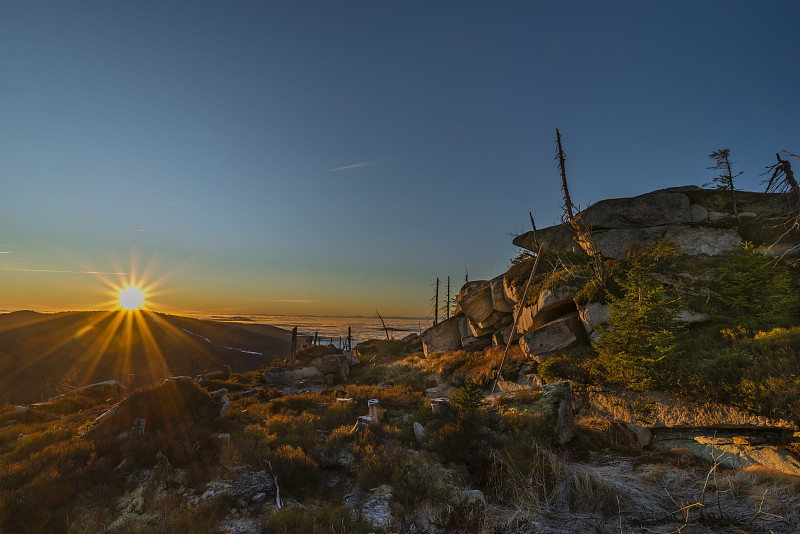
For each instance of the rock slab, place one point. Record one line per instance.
(444, 336)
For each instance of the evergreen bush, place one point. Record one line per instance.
(639, 337)
(756, 292)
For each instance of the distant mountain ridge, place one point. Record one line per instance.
(42, 355)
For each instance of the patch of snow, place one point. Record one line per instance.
(245, 351)
(196, 335)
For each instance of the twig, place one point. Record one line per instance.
(277, 487)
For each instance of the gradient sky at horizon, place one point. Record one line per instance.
(336, 157)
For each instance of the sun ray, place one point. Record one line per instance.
(151, 348)
(105, 339)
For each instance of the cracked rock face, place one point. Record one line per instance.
(376, 509)
(560, 334)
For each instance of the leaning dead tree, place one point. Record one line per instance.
(517, 313)
(383, 323)
(726, 177)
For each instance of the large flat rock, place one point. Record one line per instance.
(708, 241)
(561, 334)
(442, 337)
(650, 209)
(654, 409)
(475, 300)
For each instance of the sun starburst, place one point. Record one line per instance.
(131, 298)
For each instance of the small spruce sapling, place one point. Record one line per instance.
(639, 338)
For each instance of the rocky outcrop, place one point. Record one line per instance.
(592, 314)
(551, 304)
(663, 207)
(475, 300)
(335, 364)
(730, 450)
(699, 221)
(556, 406)
(293, 376)
(500, 300)
(657, 409)
(442, 337)
(166, 408)
(701, 240)
(561, 334)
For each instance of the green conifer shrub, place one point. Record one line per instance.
(467, 398)
(639, 337)
(756, 292)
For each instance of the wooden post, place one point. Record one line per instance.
(349, 338)
(316, 338)
(294, 345)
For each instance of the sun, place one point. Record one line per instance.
(131, 298)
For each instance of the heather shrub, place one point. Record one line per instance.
(293, 404)
(296, 471)
(578, 364)
(294, 430)
(327, 518)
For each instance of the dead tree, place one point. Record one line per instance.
(533, 224)
(294, 346)
(783, 181)
(435, 302)
(383, 323)
(568, 207)
(579, 224)
(726, 177)
(447, 301)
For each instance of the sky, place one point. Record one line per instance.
(337, 157)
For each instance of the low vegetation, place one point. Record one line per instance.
(479, 467)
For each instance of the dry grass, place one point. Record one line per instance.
(480, 367)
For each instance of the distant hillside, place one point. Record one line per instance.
(42, 355)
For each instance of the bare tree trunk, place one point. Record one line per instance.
(535, 238)
(294, 346)
(384, 324)
(568, 208)
(517, 313)
(436, 304)
(447, 302)
(733, 194)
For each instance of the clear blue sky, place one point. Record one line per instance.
(336, 157)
